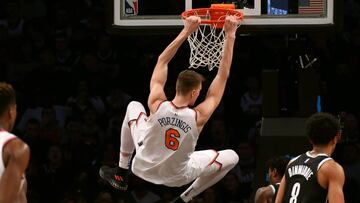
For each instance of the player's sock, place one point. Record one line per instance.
(189, 193)
(124, 161)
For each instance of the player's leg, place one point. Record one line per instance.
(127, 142)
(118, 176)
(212, 171)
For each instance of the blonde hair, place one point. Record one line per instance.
(188, 80)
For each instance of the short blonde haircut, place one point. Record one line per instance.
(187, 81)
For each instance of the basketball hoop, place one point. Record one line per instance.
(206, 43)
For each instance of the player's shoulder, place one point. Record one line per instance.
(264, 193)
(330, 164)
(267, 190)
(6, 137)
(331, 168)
(13, 144)
(294, 159)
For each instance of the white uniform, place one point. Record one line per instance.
(165, 144)
(5, 137)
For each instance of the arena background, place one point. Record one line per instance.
(74, 79)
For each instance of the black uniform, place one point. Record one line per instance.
(301, 180)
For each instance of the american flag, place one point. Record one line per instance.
(311, 6)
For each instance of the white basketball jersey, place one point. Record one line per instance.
(165, 142)
(4, 138)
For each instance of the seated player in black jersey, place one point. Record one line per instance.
(277, 166)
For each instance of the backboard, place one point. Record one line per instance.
(270, 13)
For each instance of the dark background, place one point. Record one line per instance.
(74, 80)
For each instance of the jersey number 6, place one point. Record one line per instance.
(171, 141)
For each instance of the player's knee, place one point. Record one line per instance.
(135, 107)
(232, 157)
(133, 104)
(235, 157)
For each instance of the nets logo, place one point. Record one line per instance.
(131, 7)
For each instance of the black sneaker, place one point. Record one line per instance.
(177, 200)
(117, 177)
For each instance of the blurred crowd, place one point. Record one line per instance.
(74, 81)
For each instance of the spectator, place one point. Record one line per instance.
(251, 100)
(232, 190)
(55, 173)
(245, 169)
(83, 99)
(13, 22)
(34, 9)
(351, 163)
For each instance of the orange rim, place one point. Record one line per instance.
(217, 15)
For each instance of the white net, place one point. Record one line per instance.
(206, 47)
(207, 42)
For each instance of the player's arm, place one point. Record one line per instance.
(159, 76)
(281, 191)
(334, 175)
(217, 87)
(16, 156)
(264, 195)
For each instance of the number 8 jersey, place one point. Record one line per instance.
(301, 179)
(165, 141)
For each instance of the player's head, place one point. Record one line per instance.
(277, 167)
(189, 84)
(322, 128)
(7, 106)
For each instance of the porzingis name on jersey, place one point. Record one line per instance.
(165, 121)
(300, 170)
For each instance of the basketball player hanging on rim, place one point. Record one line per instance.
(314, 177)
(14, 153)
(165, 141)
